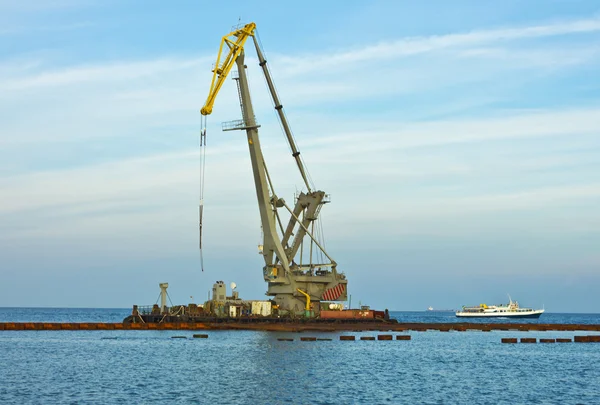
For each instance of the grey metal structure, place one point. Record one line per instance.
(283, 249)
(219, 291)
(163, 296)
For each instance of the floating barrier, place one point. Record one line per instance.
(285, 339)
(282, 326)
(178, 337)
(308, 339)
(346, 337)
(402, 337)
(545, 340)
(384, 337)
(587, 339)
(367, 338)
(200, 336)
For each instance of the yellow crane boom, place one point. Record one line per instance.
(235, 41)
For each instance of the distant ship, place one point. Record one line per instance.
(510, 310)
(430, 309)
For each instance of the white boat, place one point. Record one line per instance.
(510, 310)
(431, 309)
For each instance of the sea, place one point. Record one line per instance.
(254, 367)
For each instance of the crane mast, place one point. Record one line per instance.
(271, 243)
(292, 283)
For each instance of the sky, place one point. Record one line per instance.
(459, 141)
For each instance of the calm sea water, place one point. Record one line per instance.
(244, 367)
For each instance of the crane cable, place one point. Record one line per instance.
(308, 176)
(202, 164)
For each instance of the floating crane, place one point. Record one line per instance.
(292, 283)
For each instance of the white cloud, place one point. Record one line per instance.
(140, 196)
(9, 7)
(419, 45)
(383, 135)
(514, 201)
(15, 30)
(115, 72)
(385, 171)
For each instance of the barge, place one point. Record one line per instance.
(228, 309)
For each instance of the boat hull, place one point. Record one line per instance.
(534, 314)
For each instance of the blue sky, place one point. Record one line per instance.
(460, 142)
